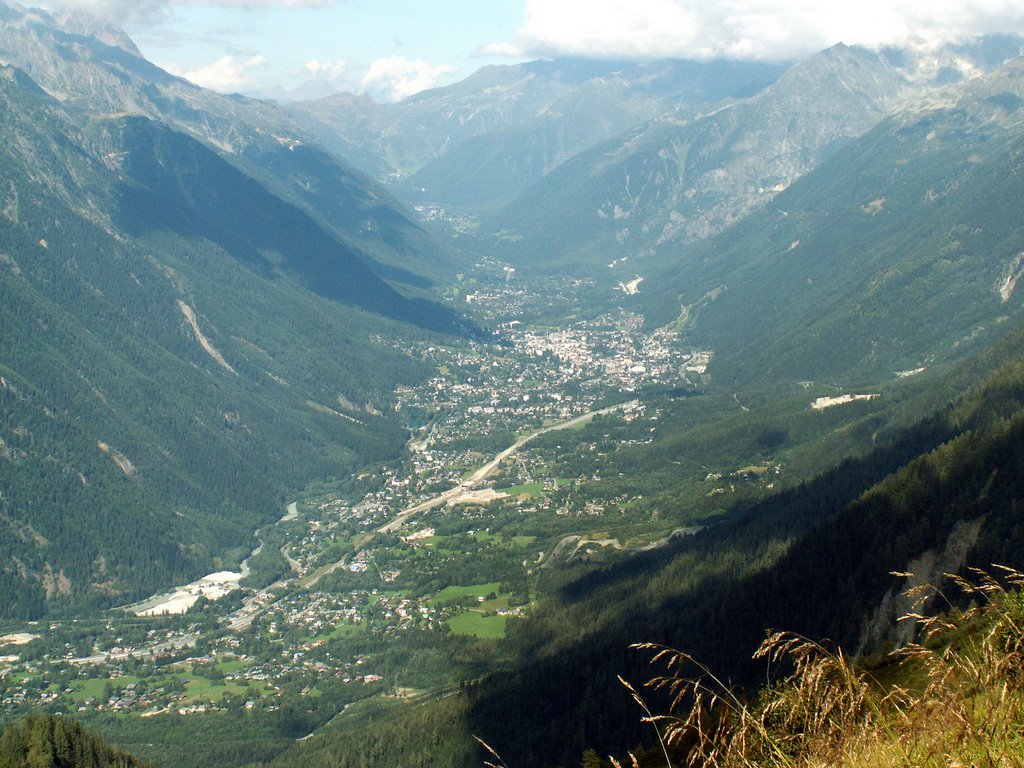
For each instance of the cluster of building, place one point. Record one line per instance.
(456, 223)
(483, 397)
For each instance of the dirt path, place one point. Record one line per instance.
(582, 541)
(292, 562)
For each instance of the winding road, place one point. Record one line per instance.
(488, 469)
(241, 619)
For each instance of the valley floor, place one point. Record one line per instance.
(397, 583)
(444, 543)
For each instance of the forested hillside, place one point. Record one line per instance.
(60, 743)
(815, 560)
(158, 404)
(93, 68)
(900, 250)
(672, 353)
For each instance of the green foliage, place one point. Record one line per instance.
(813, 558)
(175, 184)
(236, 735)
(474, 591)
(47, 741)
(133, 457)
(857, 271)
(475, 623)
(431, 733)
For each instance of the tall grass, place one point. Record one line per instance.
(955, 697)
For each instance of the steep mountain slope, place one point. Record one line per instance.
(181, 349)
(903, 248)
(57, 741)
(681, 179)
(95, 69)
(815, 559)
(477, 143)
(176, 184)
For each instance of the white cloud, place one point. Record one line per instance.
(124, 11)
(227, 74)
(395, 77)
(511, 50)
(757, 29)
(334, 71)
(117, 11)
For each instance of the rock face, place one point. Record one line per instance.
(900, 250)
(96, 70)
(686, 177)
(478, 143)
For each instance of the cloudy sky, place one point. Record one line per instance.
(394, 48)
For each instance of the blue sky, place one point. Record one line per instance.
(393, 48)
(390, 48)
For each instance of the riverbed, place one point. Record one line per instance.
(180, 599)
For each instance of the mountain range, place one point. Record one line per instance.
(681, 178)
(94, 69)
(208, 303)
(477, 144)
(900, 249)
(156, 260)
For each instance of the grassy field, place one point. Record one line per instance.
(476, 624)
(198, 689)
(532, 489)
(231, 666)
(342, 630)
(94, 689)
(474, 590)
(498, 540)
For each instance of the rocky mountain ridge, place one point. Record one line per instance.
(476, 143)
(678, 180)
(95, 70)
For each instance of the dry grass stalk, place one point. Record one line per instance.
(495, 755)
(967, 709)
(633, 762)
(809, 714)
(974, 667)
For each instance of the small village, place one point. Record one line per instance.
(346, 586)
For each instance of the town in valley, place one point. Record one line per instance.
(444, 545)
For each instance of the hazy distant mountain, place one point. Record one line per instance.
(683, 178)
(200, 321)
(903, 248)
(479, 142)
(181, 345)
(95, 69)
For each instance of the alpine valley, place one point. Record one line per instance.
(338, 433)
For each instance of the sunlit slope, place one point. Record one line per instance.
(902, 249)
(169, 370)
